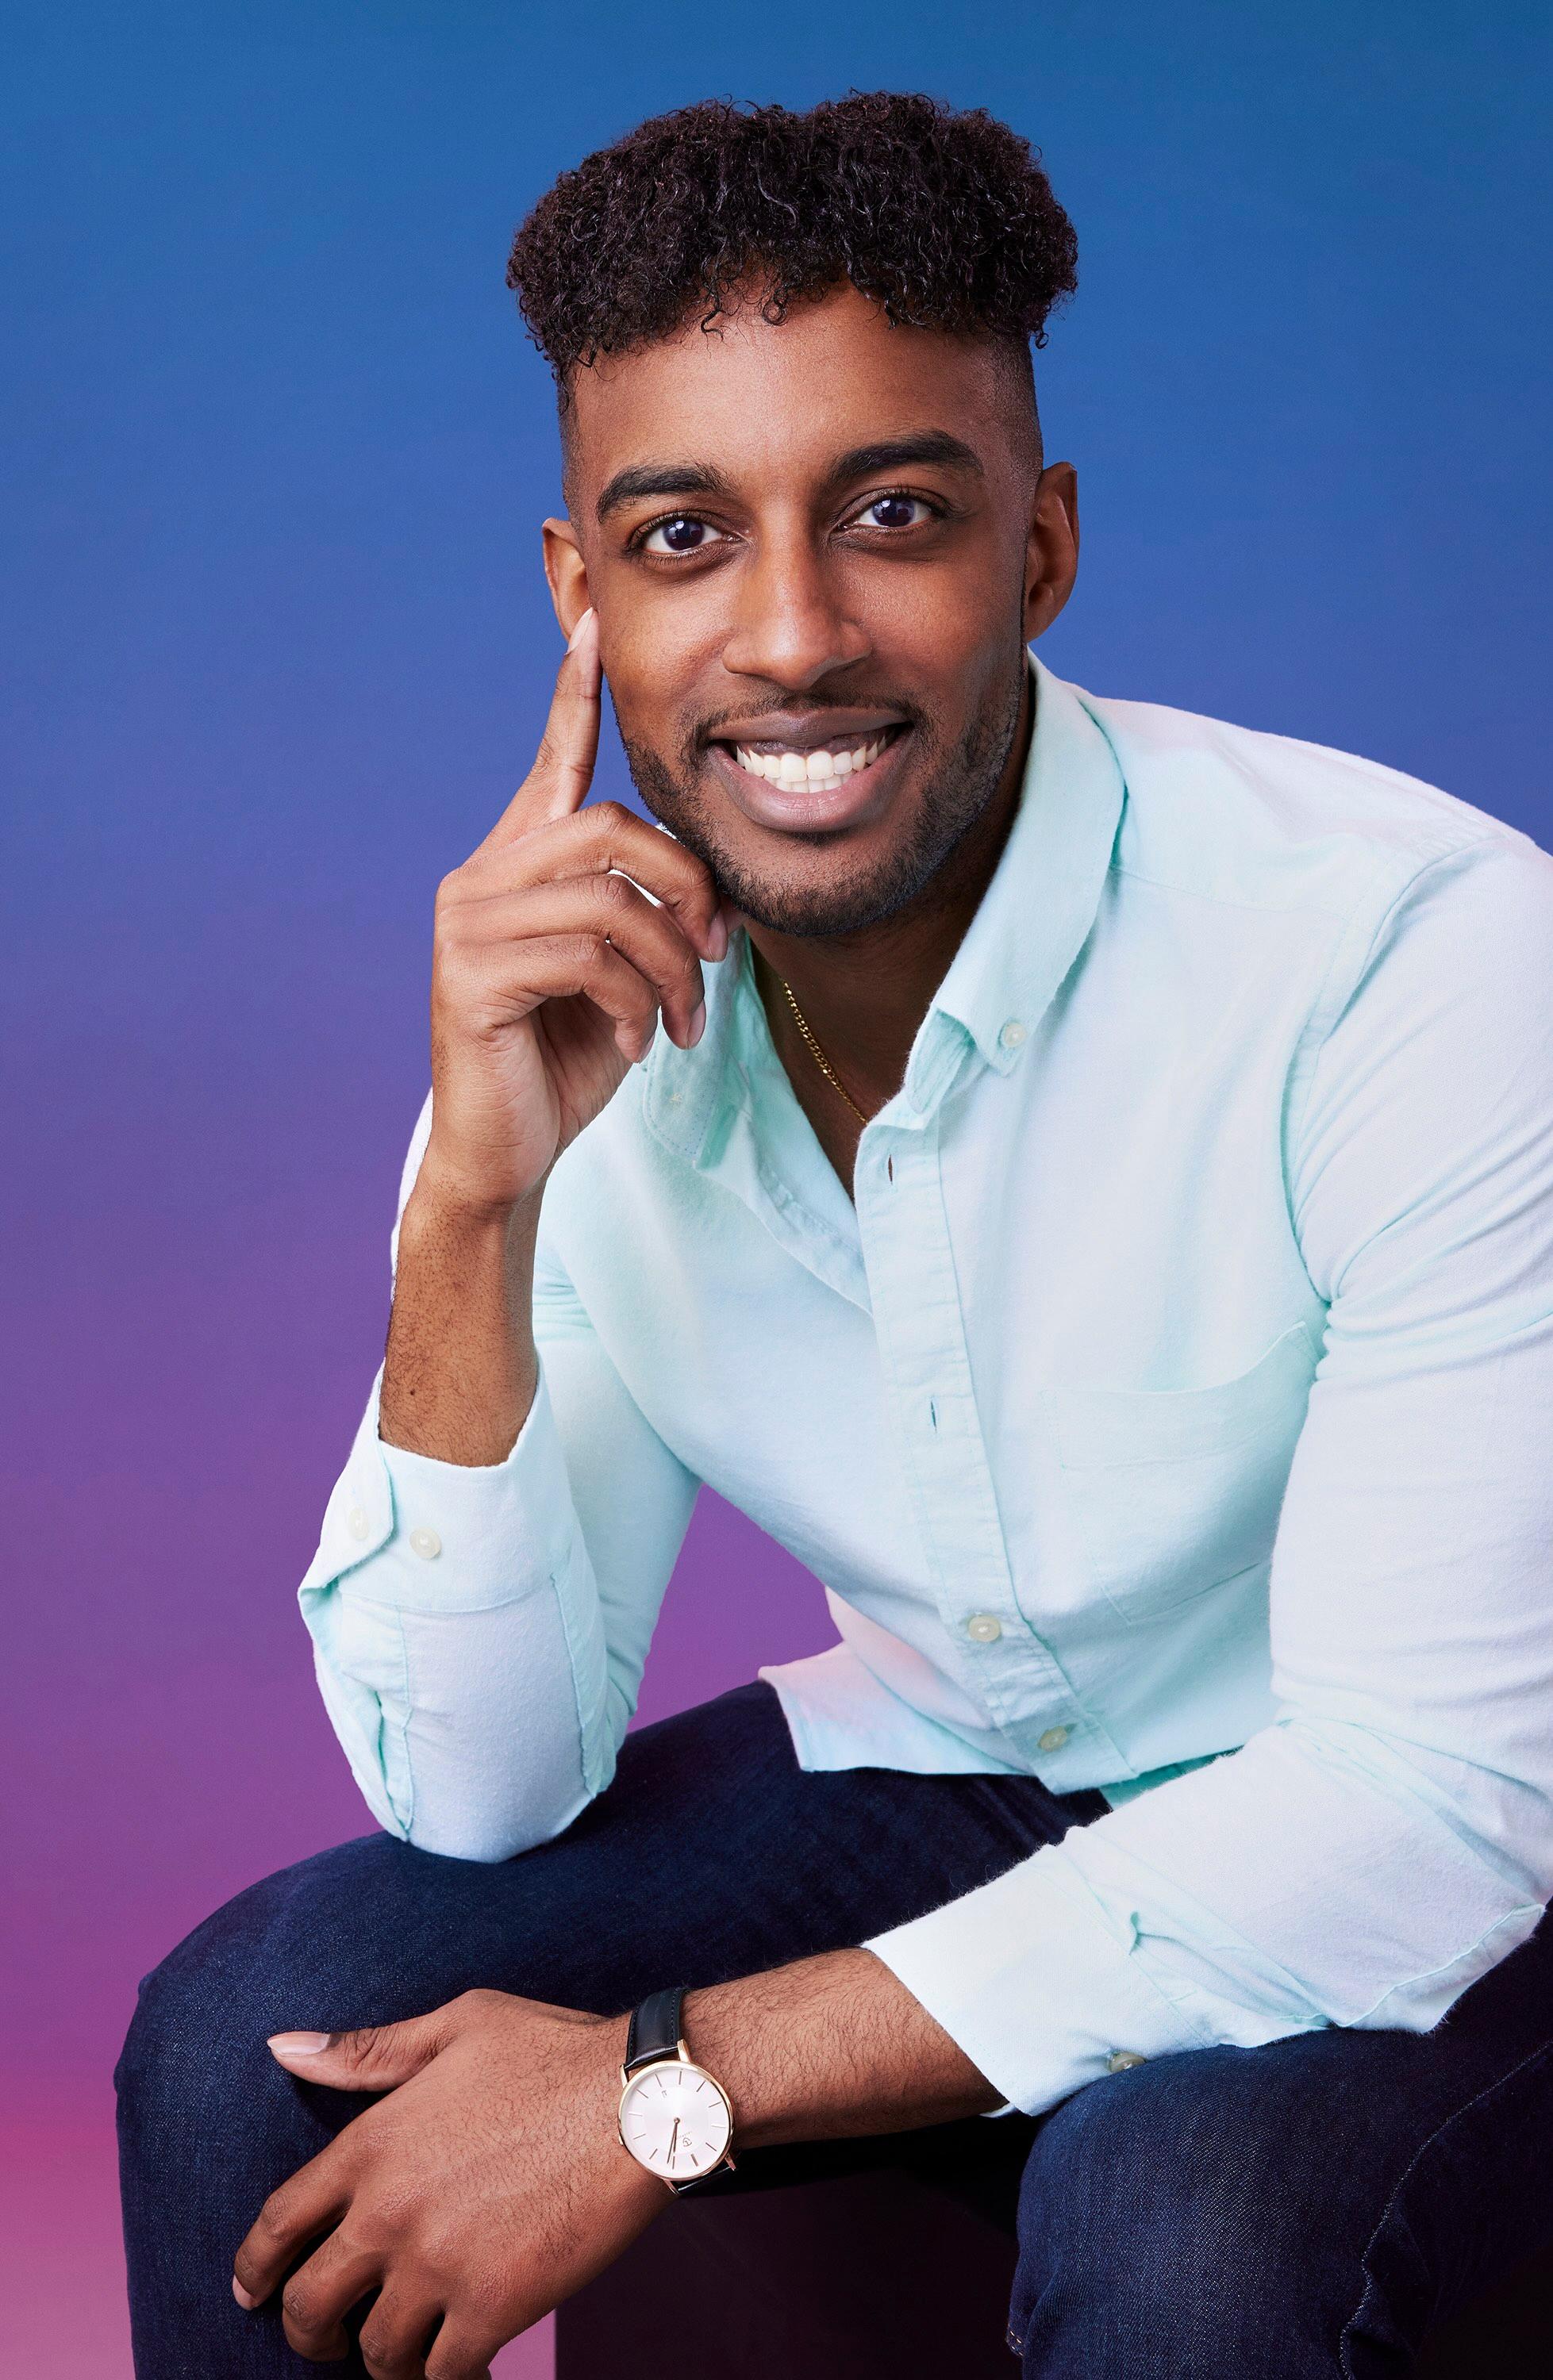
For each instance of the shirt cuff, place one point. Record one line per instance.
(419, 1535)
(1037, 1982)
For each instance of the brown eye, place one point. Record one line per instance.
(895, 512)
(683, 534)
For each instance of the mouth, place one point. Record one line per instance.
(811, 788)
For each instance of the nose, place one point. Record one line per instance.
(790, 628)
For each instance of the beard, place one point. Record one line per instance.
(960, 782)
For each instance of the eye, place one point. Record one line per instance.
(896, 511)
(681, 533)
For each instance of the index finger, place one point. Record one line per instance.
(563, 769)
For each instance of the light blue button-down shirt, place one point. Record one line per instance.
(1168, 1415)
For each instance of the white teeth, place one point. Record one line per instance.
(821, 772)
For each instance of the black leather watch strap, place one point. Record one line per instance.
(654, 2030)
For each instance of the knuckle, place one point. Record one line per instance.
(355, 2048)
(615, 894)
(451, 898)
(608, 818)
(274, 2220)
(454, 2362)
(385, 2357)
(301, 2309)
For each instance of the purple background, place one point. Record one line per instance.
(276, 649)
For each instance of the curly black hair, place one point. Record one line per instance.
(943, 217)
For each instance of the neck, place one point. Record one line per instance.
(864, 995)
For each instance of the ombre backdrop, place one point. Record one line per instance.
(277, 651)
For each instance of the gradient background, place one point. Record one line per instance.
(276, 650)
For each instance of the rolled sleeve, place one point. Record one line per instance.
(436, 1682)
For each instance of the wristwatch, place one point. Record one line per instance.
(675, 2118)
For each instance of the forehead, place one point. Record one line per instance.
(773, 402)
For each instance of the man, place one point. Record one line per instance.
(1080, 1177)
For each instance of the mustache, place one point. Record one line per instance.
(711, 730)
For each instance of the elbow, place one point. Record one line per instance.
(489, 1837)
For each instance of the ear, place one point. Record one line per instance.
(568, 574)
(1051, 561)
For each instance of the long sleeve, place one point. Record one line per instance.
(479, 1632)
(1390, 1837)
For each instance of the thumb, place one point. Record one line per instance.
(376, 2058)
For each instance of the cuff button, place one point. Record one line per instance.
(427, 1543)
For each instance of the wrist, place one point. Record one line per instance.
(445, 1198)
(829, 2047)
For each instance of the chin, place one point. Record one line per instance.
(848, 893)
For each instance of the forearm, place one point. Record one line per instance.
(828, 2048)
(461, 1369)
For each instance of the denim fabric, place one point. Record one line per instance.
(1225, 2213)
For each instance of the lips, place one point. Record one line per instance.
(812, 789)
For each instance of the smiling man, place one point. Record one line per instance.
(1080, 1175)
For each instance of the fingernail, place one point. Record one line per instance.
(698, 1025)
(717, 937)
(242, 2297)
(580, 631)
(297, 2045)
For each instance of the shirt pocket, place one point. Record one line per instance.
(1178, 1490)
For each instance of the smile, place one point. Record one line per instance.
(823, 771)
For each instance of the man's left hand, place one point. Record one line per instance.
(488, 2186)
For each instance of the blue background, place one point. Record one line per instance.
(275, 649)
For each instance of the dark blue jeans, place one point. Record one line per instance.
(1307, 2208)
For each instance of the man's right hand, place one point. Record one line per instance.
(551, 966)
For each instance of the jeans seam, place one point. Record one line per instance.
(1532, 2057)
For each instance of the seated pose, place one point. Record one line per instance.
(1080, 1177)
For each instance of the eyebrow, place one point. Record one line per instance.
(640, 479)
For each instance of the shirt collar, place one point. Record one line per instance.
(1036, 913)
(1032, 923)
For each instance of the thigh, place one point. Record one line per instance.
(1312, 2207)
(711, 1854)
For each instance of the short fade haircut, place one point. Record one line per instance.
(943, 217)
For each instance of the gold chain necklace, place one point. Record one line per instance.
(818, 1055)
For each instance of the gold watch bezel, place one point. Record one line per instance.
(679, 2057)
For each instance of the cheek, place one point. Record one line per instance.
(654, 677)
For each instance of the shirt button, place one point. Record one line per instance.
(1013, 1034)
(984, 1628)
(427, 1543)
(357, 1521)
(1053, 1739)
(1120, 2059)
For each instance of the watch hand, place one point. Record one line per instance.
(672, 2138)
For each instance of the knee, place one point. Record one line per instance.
(1162, 2225)
(196, 2045)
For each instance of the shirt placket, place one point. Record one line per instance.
(926, 1368)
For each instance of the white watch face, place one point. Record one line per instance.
(675, 2121)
